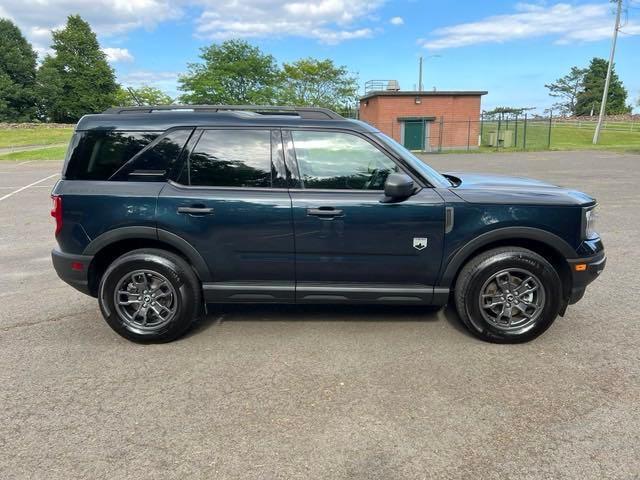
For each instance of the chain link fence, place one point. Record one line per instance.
(439, 134)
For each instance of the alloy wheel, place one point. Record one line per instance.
(512, 299)
(145, 301)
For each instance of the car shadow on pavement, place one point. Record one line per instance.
(220, 313)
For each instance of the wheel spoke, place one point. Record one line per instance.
(522, 284)
(140, 281)
(529, 290)
(505, 313)
(158, 287)
(529, 304)
(509, 313)
(495, 300)
(523, 310)
(144, 313)
(129, 302)
(137, 312)
(166, 309)
(504, 281)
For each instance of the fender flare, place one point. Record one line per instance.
(463, 254)
(140, 233)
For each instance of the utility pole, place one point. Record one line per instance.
(603, 104)
(420, 84)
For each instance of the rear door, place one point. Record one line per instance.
(351, 245)
(229, 200)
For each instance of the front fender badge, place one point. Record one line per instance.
(419, 243)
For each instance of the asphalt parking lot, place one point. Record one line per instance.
(316, 392)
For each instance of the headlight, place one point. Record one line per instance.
(590, 216)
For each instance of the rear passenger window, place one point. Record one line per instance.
(99, 154)
(230, 158)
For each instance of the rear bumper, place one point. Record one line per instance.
(582, 277)
(72, 269)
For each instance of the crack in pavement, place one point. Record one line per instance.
(40, 322)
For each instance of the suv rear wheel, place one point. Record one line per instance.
(508, 295)
(150, 295)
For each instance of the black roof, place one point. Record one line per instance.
(161, 118)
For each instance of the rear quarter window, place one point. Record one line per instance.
(155, 160)
(98, 154)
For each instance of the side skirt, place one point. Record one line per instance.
(322, 293)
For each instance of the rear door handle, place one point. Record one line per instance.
(325, 212)
(196, 210)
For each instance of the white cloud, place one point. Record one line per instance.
(396, 21)
(328, 21)
(118, 54)
(148, 77)
(164, 80)
(37, 18)
(567, 22)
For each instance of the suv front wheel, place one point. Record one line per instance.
(508, 295)
(150, 295)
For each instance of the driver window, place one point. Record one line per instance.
(335, 160)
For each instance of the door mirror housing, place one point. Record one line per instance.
(398, 186)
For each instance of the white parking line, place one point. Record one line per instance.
(27, 186)
(14, 187)
(24, 163)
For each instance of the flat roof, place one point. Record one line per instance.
(424, 93)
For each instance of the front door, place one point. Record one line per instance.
(231, 203)
(350, 244)
(414, 134)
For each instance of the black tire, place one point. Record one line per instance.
(184, 299)
(489, 270)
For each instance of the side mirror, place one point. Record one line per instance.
(398, 186)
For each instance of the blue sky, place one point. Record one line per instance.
(509, 48)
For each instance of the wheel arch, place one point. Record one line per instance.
(548, 245)
(110, 245)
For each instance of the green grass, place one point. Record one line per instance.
(566, 137)
(616, 137)
(40, 135)
(47, 153)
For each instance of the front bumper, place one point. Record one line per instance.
(583, 272)
(73, 269)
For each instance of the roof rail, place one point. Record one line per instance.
(315, 113)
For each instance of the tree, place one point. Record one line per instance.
(234, 72)
(145, 95)
(590, 96)
(17, 75)
(567, 88)
(76, 79)
(317, 83)
(506, 111)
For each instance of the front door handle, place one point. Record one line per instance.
(325, 212)
(196, 210)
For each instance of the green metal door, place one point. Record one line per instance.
(414, 134)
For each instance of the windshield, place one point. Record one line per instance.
(434, 178)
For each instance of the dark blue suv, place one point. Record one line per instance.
(163, 210)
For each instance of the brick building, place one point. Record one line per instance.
(426, 120)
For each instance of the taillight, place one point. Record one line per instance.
(56, 212)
